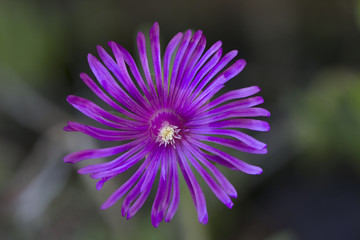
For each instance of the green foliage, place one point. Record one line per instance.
(29, 40)
(327, 118)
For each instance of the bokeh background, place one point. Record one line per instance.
(305, 56)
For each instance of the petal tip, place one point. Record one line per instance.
(67, 128)
(155, 26)
(67, 159)
(104, 206)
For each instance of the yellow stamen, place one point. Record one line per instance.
(167, 134)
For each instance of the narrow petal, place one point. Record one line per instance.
(174, 42)
(194, 187)
(246, 112)
(95, 153)
(239, 93)
(135, 151)
(145, 64)
(203, 97)
(104, 134)
(250, 141)
(231, 72)
(155, 50)
(192, 62)
(121, 191)
(239, 104)
(142, 198)
(111, 86)
(144, 184)
(214, 186)
(95, 112)
(219, 66)
(134, 70)
(179, 55)
(94, 87)
(224, 183)
(251, 124)
(202, 72)
(242, 166)
(165, 203)
(123, 164)
(101, 182)
(221, 161)
(120, 71)
(160, 194)
(213, 49)
(176, 191)
(235, 144)
(184, 62)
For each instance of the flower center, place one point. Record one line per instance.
(167, 134)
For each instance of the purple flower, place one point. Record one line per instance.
(167, 120)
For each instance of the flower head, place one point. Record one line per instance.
(167, 120)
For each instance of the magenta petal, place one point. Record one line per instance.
(163, 115)
(214, 186)
(176, 191)
(194, 187)
(94, 153)
(242, 166)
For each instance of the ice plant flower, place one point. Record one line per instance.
(166, 120)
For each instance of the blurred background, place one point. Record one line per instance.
(305, 56)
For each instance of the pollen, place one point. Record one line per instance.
(167, 134)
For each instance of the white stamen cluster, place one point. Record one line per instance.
(167, 134)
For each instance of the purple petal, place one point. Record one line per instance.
(165, 203)
(176, 191)
(136, 151)
(134, 70)
(213, 49)
(92, 85)
(155, 50)
(217, 190)
(174, 42)
(240, 104)
(101, 183)
(160, 194)
(192, 62)
(120, 71)
(242, 166)
(235, 144)
(123, 163)
(93, 111)
(204, 70)
(121, 191)
(104, 134)
(239, 93)
(144, 62)
(219, 66)
(184, 62)
(224, 183)
(111, 86)
(94, 153)
(246, 112)
(250, 141)
(194, 187)
(221, 161)
(251, 124)
(203, 97)
(144, 184)
(177, 61)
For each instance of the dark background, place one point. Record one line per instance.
(305, 56)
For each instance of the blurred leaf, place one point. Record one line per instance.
(357, 12)
(283, 235)
(327, 118)
(29, 39)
